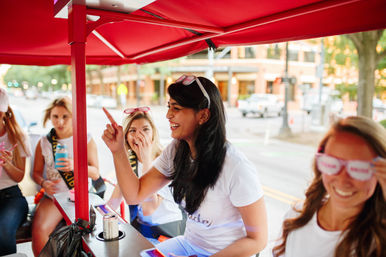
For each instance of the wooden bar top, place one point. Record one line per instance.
(130, 245)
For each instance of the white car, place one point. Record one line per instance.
(260, 104)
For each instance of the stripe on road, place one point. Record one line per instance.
(278, 195)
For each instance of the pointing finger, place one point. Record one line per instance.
(111, 119)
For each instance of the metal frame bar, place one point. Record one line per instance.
(154, 21)
(77, 40)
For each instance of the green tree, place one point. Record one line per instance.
(33, 75)
(371, 50)
(366, 52)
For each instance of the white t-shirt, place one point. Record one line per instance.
(5, 180)
(51, 172)
(310, 240)
(217, 223)
(167, 211)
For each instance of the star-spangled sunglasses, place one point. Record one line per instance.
(187, 80)
(137, 109)
(359, 170)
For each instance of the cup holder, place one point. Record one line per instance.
(121, 235)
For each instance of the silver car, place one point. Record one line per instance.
(263, 105)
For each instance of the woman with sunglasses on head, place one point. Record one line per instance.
(344, 213)
(47, 216)
(14, 148)
(213, 181)
(158, 214)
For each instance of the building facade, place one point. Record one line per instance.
(237, 71)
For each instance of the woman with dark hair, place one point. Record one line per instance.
(344, 213)
(214, 182)
(14, 148)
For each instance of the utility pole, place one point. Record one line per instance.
(285, 130)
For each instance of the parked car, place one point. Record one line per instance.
(260, 104)
(329, 100)
(99, 101)
(21, 121)
(31, 93)
(378, 105)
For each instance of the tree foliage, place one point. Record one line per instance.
(34, 75)
(364, 52)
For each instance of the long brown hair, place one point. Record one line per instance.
(15, 134)
(366, 234)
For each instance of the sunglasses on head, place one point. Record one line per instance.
(137, 109)
(187, 80)
(359, 170)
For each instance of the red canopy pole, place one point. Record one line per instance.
(77, 40)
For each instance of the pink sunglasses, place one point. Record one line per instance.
(187, 80)
(137, 109)
(359, 170)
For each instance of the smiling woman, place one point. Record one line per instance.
(206, 174)
(344, 212)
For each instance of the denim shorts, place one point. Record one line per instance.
(10, 192)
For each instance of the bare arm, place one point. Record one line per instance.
(255, 221)
(14, 170)
(37, 172)
(92, 158)
(134, 190)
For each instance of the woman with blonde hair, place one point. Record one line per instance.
(14, 148)
(344, 213)
(47, 216)
(158, 214)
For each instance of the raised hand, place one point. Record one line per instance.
(143, 147)
(66, 164)
(113, 134)
(50, 186)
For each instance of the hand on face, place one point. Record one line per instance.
(380, 173)
(142, 146)
(113, 135)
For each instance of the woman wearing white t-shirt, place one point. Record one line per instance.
(47, 216)
(344, 213)
(14, 148)
(217, 186)
(158, 214)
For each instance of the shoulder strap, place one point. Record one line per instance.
(133, 162)
(51, 137)
(68, 176)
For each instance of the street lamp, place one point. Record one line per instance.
(285, 130)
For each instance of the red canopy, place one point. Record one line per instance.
(31, 35)
(161, 30)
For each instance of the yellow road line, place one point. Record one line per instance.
(278, 195)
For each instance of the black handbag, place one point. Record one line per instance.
(67, 241)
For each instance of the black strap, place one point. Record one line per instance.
(134, 165)
(68, 176)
